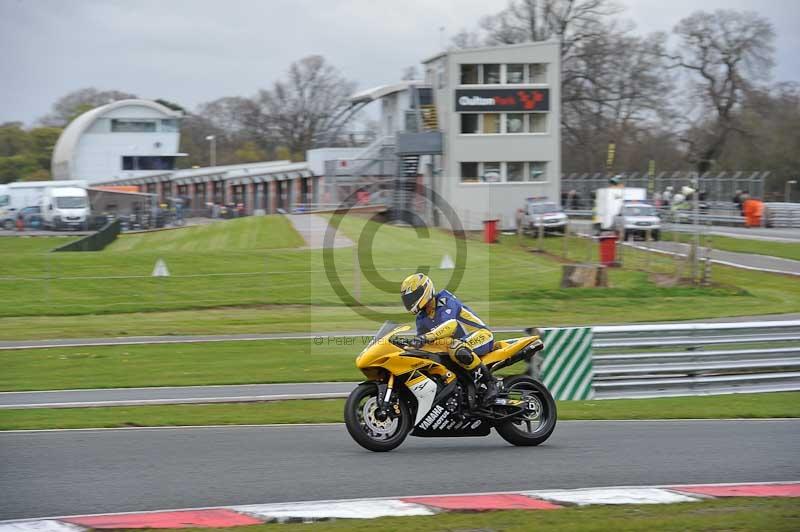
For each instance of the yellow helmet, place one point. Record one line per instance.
(416, 291)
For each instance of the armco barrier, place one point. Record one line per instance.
(696, 359)
(664, 360)
(96, 241)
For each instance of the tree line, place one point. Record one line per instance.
(699, 98)
(298, 112)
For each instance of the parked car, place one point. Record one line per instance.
(31, 216)
(546, 214)
(637, 219)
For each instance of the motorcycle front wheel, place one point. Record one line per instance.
(540, 422)
(366, 429)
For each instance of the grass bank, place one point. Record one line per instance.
(236, 280)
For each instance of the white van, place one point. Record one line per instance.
(6, 210)
(608, 203)
(65, 207)
(20, 194)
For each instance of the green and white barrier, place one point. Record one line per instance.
(566, 367)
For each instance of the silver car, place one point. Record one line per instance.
(546, 214)
(638, 220)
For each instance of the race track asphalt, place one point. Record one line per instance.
(92, 471)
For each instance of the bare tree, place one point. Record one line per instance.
(570, 21)
(614, 88)
(465, 39)
(723, 53)
(410, 73)
(308, 106)
(76, 102)
(771, 117)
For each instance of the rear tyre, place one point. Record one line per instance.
(8, 225)
(368, 431)
(540, 423)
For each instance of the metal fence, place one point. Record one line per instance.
(718, 187)
(639, 361)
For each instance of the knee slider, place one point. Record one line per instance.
(464, 356)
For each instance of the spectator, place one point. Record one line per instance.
(753, 211)
(666, 196)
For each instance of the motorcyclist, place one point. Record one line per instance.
(441, 317)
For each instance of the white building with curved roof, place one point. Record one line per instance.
(120, 140)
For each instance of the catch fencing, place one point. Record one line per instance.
(717, 187)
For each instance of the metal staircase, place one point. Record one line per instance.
(430, 118)
(405, 187)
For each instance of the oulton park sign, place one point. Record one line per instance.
(499, 100)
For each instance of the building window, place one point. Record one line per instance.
(469, 123)
(515, 73)
(504, 172)
(515, 171)
(148, 162)
(491, 74)
(537, 73)
(515, 123)
(169, 125)
(491, 123)
(469, 172)
(537, 171)
(469, 75)
(132, 126)
(411, 121)
(538, 123)
(491, 173)
(508, 123)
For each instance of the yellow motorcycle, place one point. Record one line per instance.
(422, 392)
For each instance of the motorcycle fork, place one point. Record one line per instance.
(384, 398)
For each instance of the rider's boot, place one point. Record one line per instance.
(486, 382)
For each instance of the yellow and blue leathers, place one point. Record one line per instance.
(451, 319)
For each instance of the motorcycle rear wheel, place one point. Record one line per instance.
(522, 431)
(368, 431)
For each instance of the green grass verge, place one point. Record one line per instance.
(785, 250)
(177, 365)
(224, 285)
(183, 364)
(763, 405)
(736, 514)
(189, 364)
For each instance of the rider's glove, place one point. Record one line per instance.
(417, 341)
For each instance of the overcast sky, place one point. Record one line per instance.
(192, 51)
